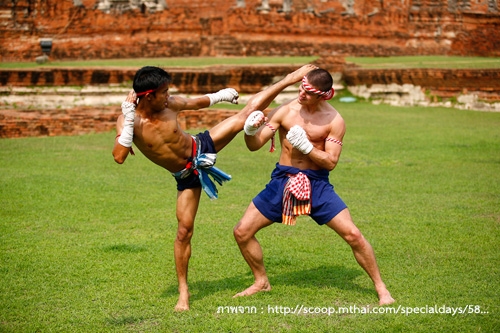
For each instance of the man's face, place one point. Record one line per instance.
(307, 97)
(160, 98)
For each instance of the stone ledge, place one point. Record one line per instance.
(83, 120)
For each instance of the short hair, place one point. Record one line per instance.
(320, 79)
(150, 78)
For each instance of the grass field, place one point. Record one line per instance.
(452, 62)
(86, 245)
(166, 62)
(364, 62)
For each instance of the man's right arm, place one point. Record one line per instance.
(125, 129)
(263, 129)
(120, 152)
(264, 98)
(255, 138)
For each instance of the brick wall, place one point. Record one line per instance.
(75, 121)
(202, 28)
(441, 82)
(83, 120)
(245, 79)
(251, 79)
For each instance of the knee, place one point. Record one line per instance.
(354, 238)
(184, 234)
(240, 235)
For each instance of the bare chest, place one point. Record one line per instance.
(316, 126)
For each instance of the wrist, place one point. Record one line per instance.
(253, 122)
(307, 149)
(127, 134)
(211, 99)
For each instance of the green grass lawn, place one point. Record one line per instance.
(363, 62)
(452, 62)
(86, 245)
(167, 62)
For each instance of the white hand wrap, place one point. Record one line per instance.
(127, 135)
(298, 139)
(250, 124)
(224, 95)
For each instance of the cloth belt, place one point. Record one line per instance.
(296, 198)
(202, 165)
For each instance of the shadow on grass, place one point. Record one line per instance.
(319, 277)
(338, 277)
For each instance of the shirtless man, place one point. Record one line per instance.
(311, 133)
(149, 119)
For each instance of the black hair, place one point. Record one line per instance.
(150, 78)
(320, 79)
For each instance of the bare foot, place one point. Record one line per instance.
(183, 302)
(254, 288)
(385, 298)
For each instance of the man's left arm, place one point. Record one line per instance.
(178, 103)
(327, 158)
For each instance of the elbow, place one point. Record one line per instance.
(331, 164)
(252, 146)
(118, 159)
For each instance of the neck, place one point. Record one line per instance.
(312, 108)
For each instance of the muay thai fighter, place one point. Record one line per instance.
(311, 131)
(151, 124)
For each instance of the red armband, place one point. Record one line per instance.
(334, 141)
(273, 147)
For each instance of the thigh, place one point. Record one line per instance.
(342, 224)
(326, 204)
(225, 131)
(252, 221)
(188, 201)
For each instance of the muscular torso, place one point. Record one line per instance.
(318, 126)
(161, 140)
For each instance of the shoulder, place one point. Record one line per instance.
(176, 103)
(337, 124)
(334, 115)
(283, 110)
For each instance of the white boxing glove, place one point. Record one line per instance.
(224, 95)
(127, 135)
(253, 122)
(128, 110)
(298, 139)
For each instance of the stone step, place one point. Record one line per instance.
(5, 14)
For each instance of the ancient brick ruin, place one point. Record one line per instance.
(21, 119)
(107, 29)
(90, 29)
